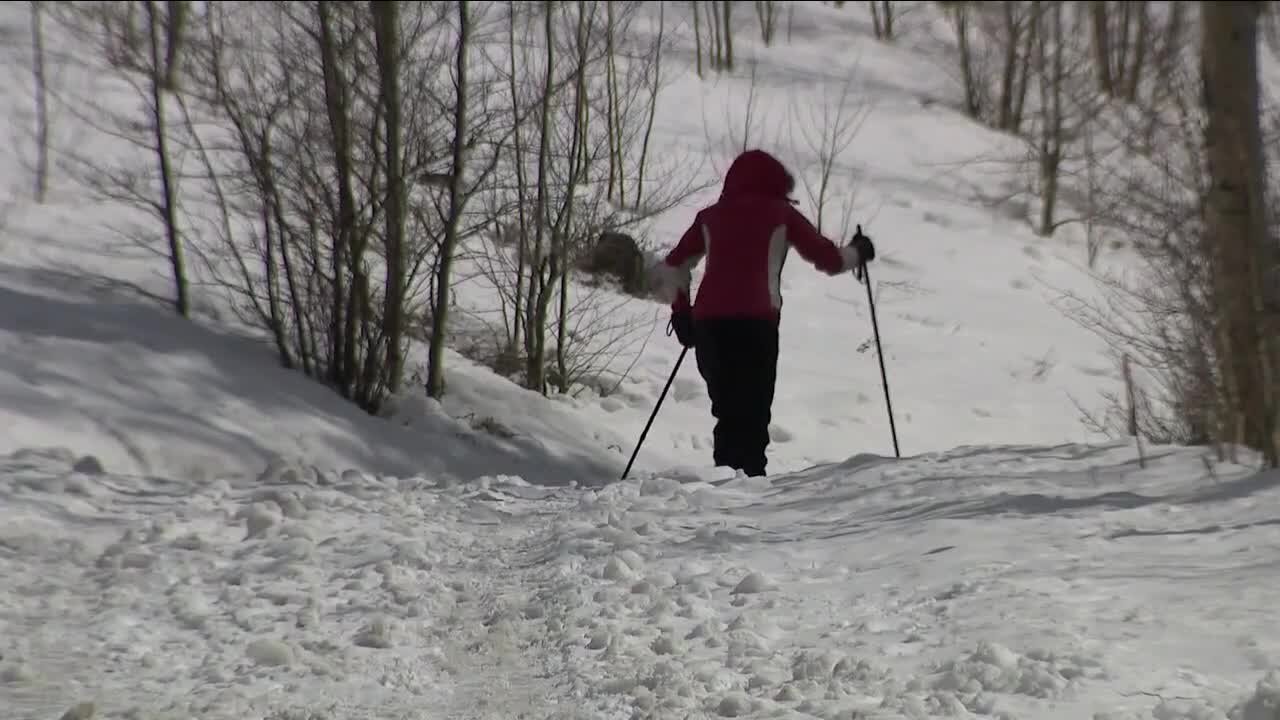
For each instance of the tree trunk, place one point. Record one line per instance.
(960, 21)
(1102, 45)
(386, 37)
(697, 35)
(41, 101)
(717, 45)
(1052, 71)
(1236, 222)
(344, 253)
(1008, 75)
(616, 155)
(1167, 59)
(765, 15)
(536, 328)
(522, 241)
(457, 201)
(565, 225)
(1120, 53)
(169, 198)
(728, 35)
(1024, 77)
(1134, 81)
(175, 36)
(653, 106)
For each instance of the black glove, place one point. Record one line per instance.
(866, 250)
(682, 326)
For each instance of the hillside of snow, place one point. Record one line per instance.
(189, 530)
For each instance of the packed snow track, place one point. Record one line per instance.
(1003, 582)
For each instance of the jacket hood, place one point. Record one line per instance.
(756, 172)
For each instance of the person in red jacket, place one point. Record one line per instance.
(732, 324)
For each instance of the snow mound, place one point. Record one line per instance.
(1264, 704)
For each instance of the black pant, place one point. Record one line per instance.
(738, 359)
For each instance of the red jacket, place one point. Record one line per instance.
(745, 237)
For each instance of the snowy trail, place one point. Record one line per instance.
(357, 596)
(502, 662)
(1014, 582)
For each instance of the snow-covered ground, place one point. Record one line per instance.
(188, 530)
(1011, 582)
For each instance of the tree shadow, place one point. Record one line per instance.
(1205, 530)
(131, 367)
(1234, 489)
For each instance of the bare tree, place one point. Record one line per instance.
(714, 24)
(1200, 320)
(161, 77)
(387, 39)
(1102, 45)
(825, 135)
(697, 35)
(331, 128)
(553, 191)
(1018, 38)
(960, 15)
(1140, 49)
(766, 14)
(728, 35)
(133, 40)
(40, 92)
(653, 106)
(1052, 140)
(539, 290)
(883, 15)
(744, 131)
(457, 200)
(1121, 36)
(578, 140)
(1236, 226)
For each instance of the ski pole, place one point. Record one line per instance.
(884, 376)
(654, 414)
